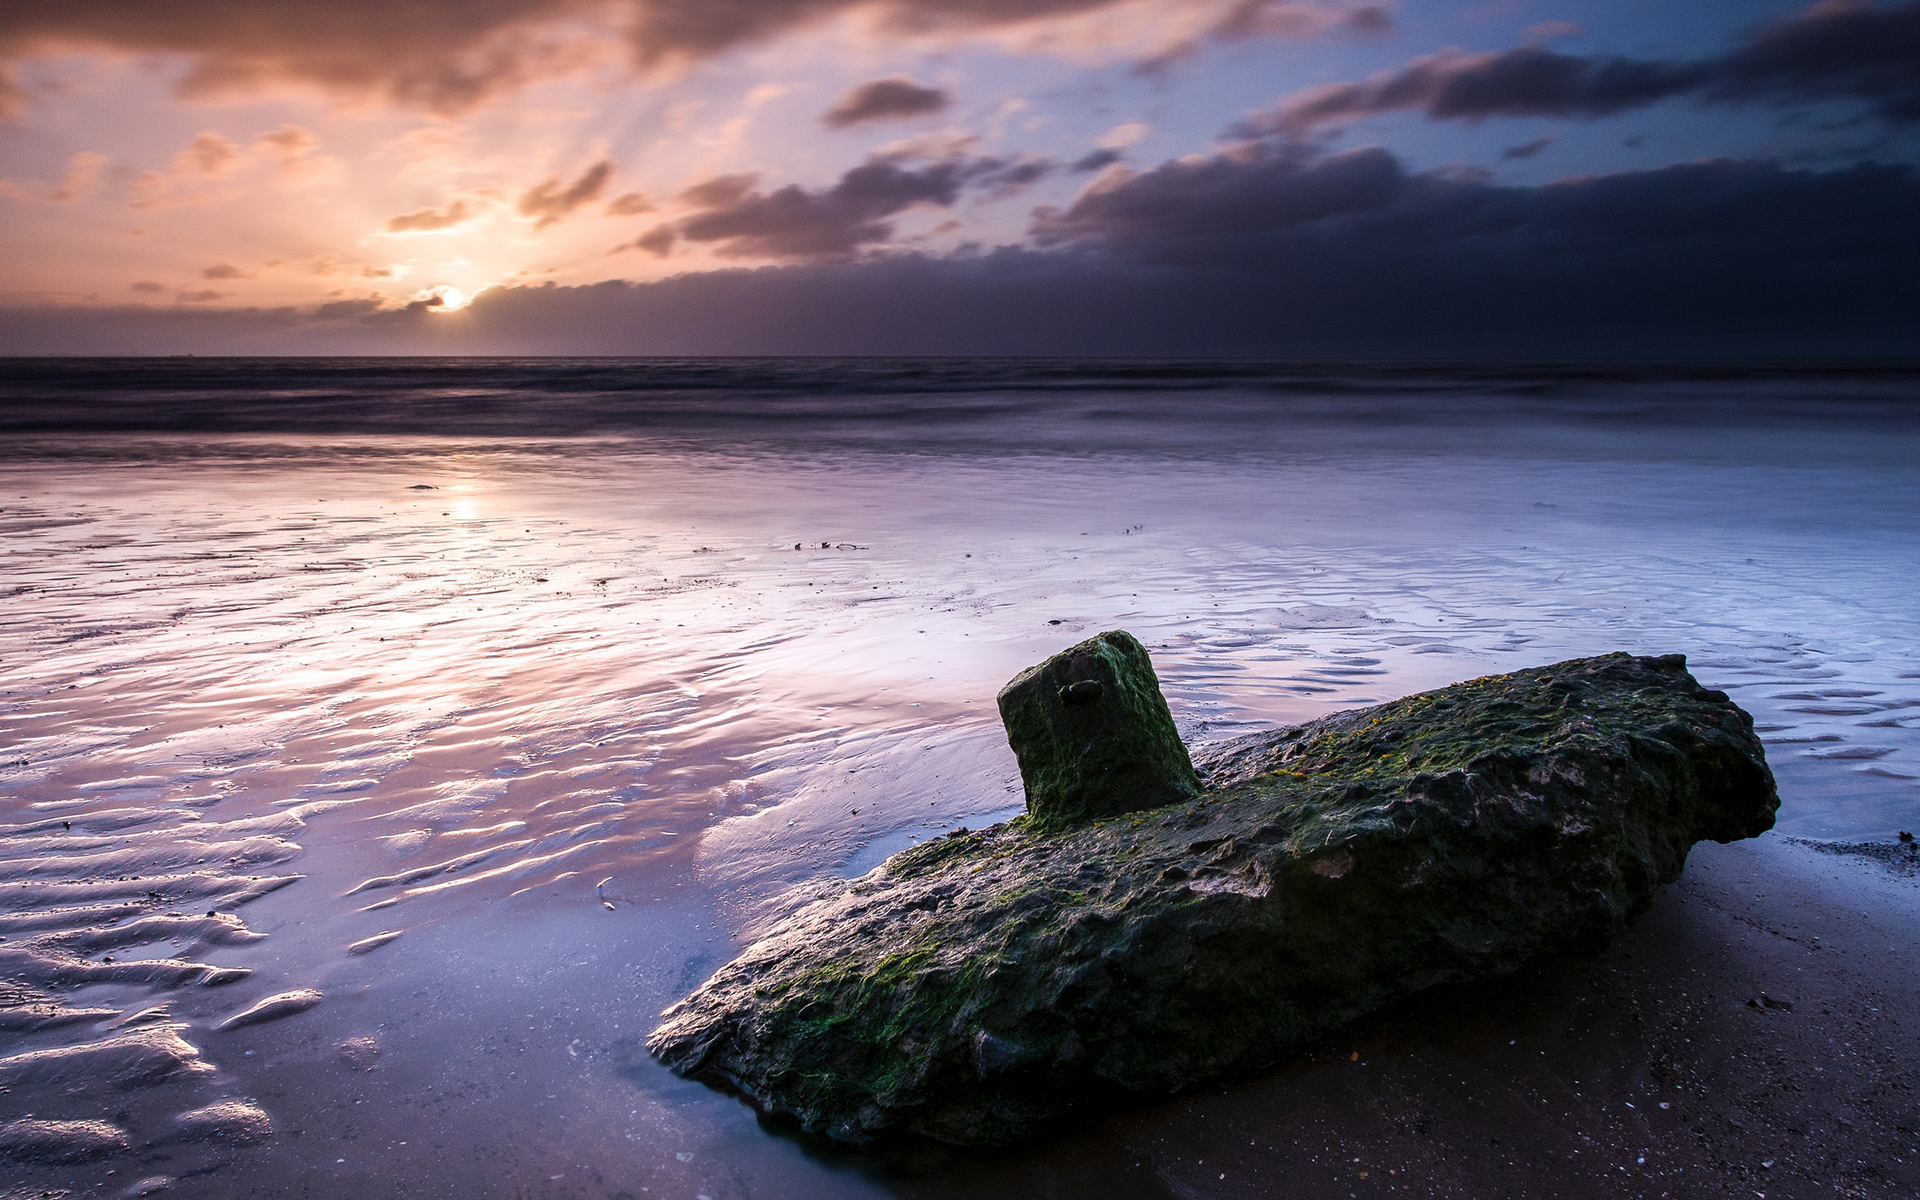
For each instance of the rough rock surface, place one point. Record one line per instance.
(1093, 734)
(984, 986)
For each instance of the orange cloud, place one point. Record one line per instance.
(552, 202)
(83, 175)
(210, 154)
(631, 204)
(432, 220)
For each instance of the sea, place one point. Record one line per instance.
(385, 742)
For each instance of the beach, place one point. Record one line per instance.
(478, 712)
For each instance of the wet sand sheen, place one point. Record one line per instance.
(501, 768)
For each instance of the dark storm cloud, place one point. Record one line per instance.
(1362, 220)
(450, 55)
(795, 223)
(1276, 254)
(1834, 49)
(1192, 210)
(1253, 252)
(553, 201)
(885, 99)
(1530, 81)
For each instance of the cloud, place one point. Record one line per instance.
(291, 143)
(1123, 135)
(1353, 246)
(210, 154)
(1836, 49)
(204, 161)
(449, 56)
(792, 222)
(202, 165)
(552, 201)
(443, 55)
(1203, 211)
(83, 175)
(148, 286)
(297, 151)
(1093, 160)
(885, 99)
(1527, 149)
(1281, 253)
(1261, 250)
(432, 220)
(1272, 18)
(631, 204)
(657, 241)
(720, 191)
(223, 271)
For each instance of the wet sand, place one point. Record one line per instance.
(363, 803)
(1753, 1034)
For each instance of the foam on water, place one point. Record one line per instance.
(345, 771)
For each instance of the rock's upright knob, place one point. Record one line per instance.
(1093, 734)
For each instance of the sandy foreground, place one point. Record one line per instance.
(1753, 1034)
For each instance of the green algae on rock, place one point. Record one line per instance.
(985, 986)
(1093, 734)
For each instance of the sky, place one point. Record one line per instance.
(959, 176)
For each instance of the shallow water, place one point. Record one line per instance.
(501, 743)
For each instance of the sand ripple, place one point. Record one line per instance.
(273, 691)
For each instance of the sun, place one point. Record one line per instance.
(444, 298)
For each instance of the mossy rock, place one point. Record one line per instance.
(1093, 736)
(985, 986)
